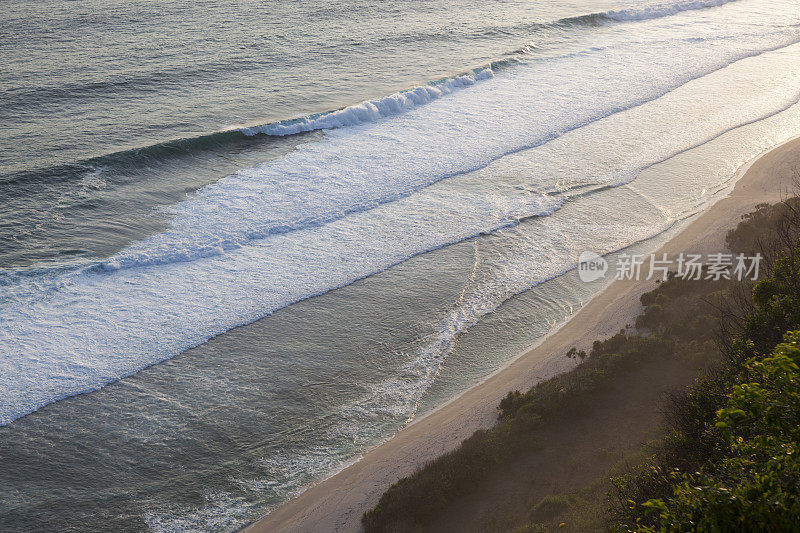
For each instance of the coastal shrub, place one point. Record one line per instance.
(755, 485)
(769, 229)
(551, 506)
(700, 468)
(730, 461)
(420, 498)
(776, 303)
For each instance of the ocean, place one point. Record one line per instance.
(242, 243)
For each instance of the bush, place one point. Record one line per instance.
(756, 484)
(730, 462)
(419, 499)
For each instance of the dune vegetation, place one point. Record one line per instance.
(725, 453)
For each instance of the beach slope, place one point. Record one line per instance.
(338, 503)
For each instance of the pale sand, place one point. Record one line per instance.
(338, 503)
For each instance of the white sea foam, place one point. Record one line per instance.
(662, 9)
(363, 166)
(362, 200)
(373, 110)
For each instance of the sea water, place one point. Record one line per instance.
(241, 244)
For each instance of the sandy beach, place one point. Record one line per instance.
(337, 503)
(275, 266)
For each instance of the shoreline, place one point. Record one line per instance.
(338, 502)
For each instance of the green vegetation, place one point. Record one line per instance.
(418, 499)
(752, 482)
(729, 457)
(730, 461)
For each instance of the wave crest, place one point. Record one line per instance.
(373, 110)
